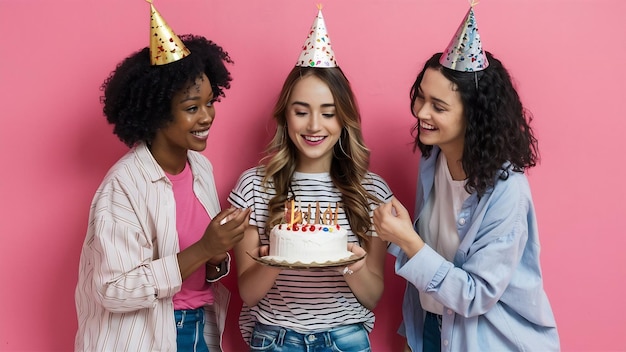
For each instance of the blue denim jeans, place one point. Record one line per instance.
(432, 333)
(349, 338)
(189, 330)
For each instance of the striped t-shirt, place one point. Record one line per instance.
(306, 301)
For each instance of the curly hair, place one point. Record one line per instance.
(498, 126)
(350, 157)
(137, 96)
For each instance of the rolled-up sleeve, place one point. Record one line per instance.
(425, 270)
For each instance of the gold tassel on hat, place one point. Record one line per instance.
(165, 46)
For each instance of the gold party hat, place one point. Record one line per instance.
(317, 51)
(465, 51)
(165, 46)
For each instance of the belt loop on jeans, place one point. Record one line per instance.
(327, 339)
(182, 319)
(281, 336)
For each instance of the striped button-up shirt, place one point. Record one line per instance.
(128, 266)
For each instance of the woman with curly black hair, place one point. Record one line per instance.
(471, 258)
(157, 241)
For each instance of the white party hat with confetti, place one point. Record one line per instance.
(317, 50)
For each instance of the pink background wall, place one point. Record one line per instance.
(55, 146)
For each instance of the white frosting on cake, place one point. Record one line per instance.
(309, 244)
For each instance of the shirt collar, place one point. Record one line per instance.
(150, 165)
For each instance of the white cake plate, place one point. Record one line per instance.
(276, 262)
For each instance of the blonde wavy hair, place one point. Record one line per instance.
(350, 155)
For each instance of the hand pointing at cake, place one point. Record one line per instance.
(217, 240)
(222, 236)
(393, 224)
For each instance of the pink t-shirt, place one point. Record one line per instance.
(191, 222)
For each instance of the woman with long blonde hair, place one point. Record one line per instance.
(317, 156)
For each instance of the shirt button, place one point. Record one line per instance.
(462, 221)
(449, 311)
(445, 342)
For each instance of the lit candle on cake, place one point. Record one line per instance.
(291, 222)
(317, 212)
(295, 215)
(327, 216)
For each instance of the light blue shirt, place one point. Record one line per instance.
(492, 292)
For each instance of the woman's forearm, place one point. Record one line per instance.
(366, 286)
(255, 282)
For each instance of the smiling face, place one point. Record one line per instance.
(439, 109)
(193, 112)
(312, 124)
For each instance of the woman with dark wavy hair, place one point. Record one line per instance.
(472, 258)
(157, 242)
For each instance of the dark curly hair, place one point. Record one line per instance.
(498, 126)
(137, 96)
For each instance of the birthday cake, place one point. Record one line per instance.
(309, 240)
